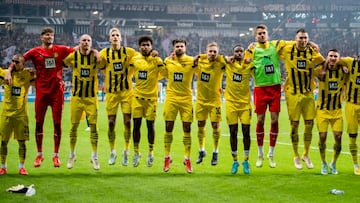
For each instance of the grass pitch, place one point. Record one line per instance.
(207, 183)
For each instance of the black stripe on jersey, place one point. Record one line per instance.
(126, 80)
(328, 102)
(88, 59)
(75, 85)
(107, 55)
(1, 77)
(116, 83)
(119, 53)
(81, 88)
(355, 95)
(75, 59)
(292, 53)
(339, 99)
(309, 83)
(87, 89)
(300, 82)
(113, 55)
(322, 99)
(306, 81)
(93, 87)
(353, 66)
(349, 92)
(110, 87)
(82, 59)
(330, 73)
(334, 101)
(293, 79)
(277, 43)
(121, 82)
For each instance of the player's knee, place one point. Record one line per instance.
(337, 147)
(127, 123)
(74, 127)
(215, 125)
(294, 138)
(274, 122)
(111, 125)
(322, 137)
(4, 143)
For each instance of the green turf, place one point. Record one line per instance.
(207, 183)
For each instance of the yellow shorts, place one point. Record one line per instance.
(202, 110)
(88, 104)
(113, 100)
(352, 115)
(236, 110)
(172, 107)
(141, 107)
(326, 117)
(18, 125)
(300, 104)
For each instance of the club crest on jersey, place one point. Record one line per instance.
(118, 66)
(237, 77)
(142, 75)
(56, 55)
(85, 72)
(15, 91)
(269, 69)
(333, 85)
(205, 77)
(358, 80)
(178, 77)
(301, 64)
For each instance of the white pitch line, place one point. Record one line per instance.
(289, 144)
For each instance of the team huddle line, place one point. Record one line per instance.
(337, 80)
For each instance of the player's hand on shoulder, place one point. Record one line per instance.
(251, 45)
(196, 60)
(321, 75)
(229, 59)
(96, 54)
(8, 77)
(154, 53)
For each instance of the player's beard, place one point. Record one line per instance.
(302, 45)
(238, 58)
(146, 53)
(179, 53)
(212, 58)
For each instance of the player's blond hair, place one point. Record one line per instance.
(212, 44)
(114, 29)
